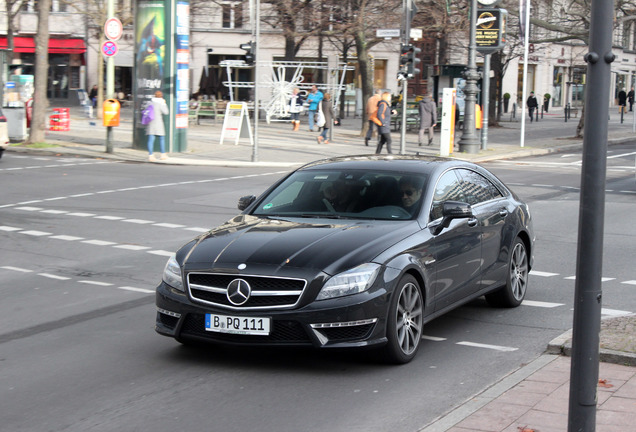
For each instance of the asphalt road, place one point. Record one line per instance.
(83, 242)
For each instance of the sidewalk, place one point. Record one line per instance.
(278, 146)
(535, 398)
(532, 399)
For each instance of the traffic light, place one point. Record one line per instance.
(404, 54)
(250, 51)
(411, 69)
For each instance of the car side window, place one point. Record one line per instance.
(448, 188)
(477, 188)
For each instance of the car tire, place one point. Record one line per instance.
(404, 325)
(513, 293)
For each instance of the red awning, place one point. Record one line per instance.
(56, 46)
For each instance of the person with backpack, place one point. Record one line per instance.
(152, 117)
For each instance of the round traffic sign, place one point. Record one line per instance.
(109, 48)
(113, 29)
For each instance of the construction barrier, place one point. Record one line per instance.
(60, 120)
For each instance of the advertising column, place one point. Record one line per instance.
(161, 63)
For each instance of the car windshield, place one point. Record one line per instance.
(345, 194)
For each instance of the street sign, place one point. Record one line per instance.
(113, 29)
(387, 33)
(109, 48)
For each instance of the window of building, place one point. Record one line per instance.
(232, 15)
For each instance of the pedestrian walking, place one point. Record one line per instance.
(327, 110)
(532, 105)
(372, 110)
(428, 118)
(384, 115)
(295, 108)
(622, 101)
(314, 98)
(92, 95)
(630, 98)
(156, 128)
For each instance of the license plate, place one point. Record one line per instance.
(237, 325)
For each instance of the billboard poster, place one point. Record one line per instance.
(150, 37)
(182, 59)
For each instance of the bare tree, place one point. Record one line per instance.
(40, 102)
(96, 12)
(13, 8)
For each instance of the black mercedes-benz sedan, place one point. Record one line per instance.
(348, 252)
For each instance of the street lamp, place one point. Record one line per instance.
(469, 142)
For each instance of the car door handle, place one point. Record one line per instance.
(503, 212)
(472, 222)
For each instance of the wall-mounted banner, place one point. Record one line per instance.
(490, 35)
(182, 80)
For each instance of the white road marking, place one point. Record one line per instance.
(66, 237)
(35, 233)
(132, 247)
(55, 211)
(113, 218)
(18, 269)
(603, 279)
(9, 228)
(26, 208)
(198, 229)
(630, 282)
(169, 225)
(79, 214)
(99, 242)
(433, 338)
(541, 304)
(492, 347)
(142, 290)
(98, 283)
(161, 252)
(542, 274)
(52, 276)
(138, 221)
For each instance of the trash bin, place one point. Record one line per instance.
(16, 121)
(111, 110)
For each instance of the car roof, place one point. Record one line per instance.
(403, 163)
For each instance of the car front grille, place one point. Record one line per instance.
(266, 292)
(282, 332)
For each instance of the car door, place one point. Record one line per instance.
(456, 249)
(490, 208)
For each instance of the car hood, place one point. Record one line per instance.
(329, 246)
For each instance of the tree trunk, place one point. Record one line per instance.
(365, 76)
(40, 101)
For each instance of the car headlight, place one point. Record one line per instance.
(172, 274)
(353, 281)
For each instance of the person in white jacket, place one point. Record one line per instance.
(156, 128)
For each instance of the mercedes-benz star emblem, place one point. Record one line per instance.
(238, 292)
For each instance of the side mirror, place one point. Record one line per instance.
(453, 210)
(244, 202)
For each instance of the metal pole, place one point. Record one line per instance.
(257, 33)
(587, 291)
(406, 4)
(524, 90)
(110, 78)
(485, 102)
(469, 142)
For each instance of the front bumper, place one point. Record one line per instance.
(353, 321)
